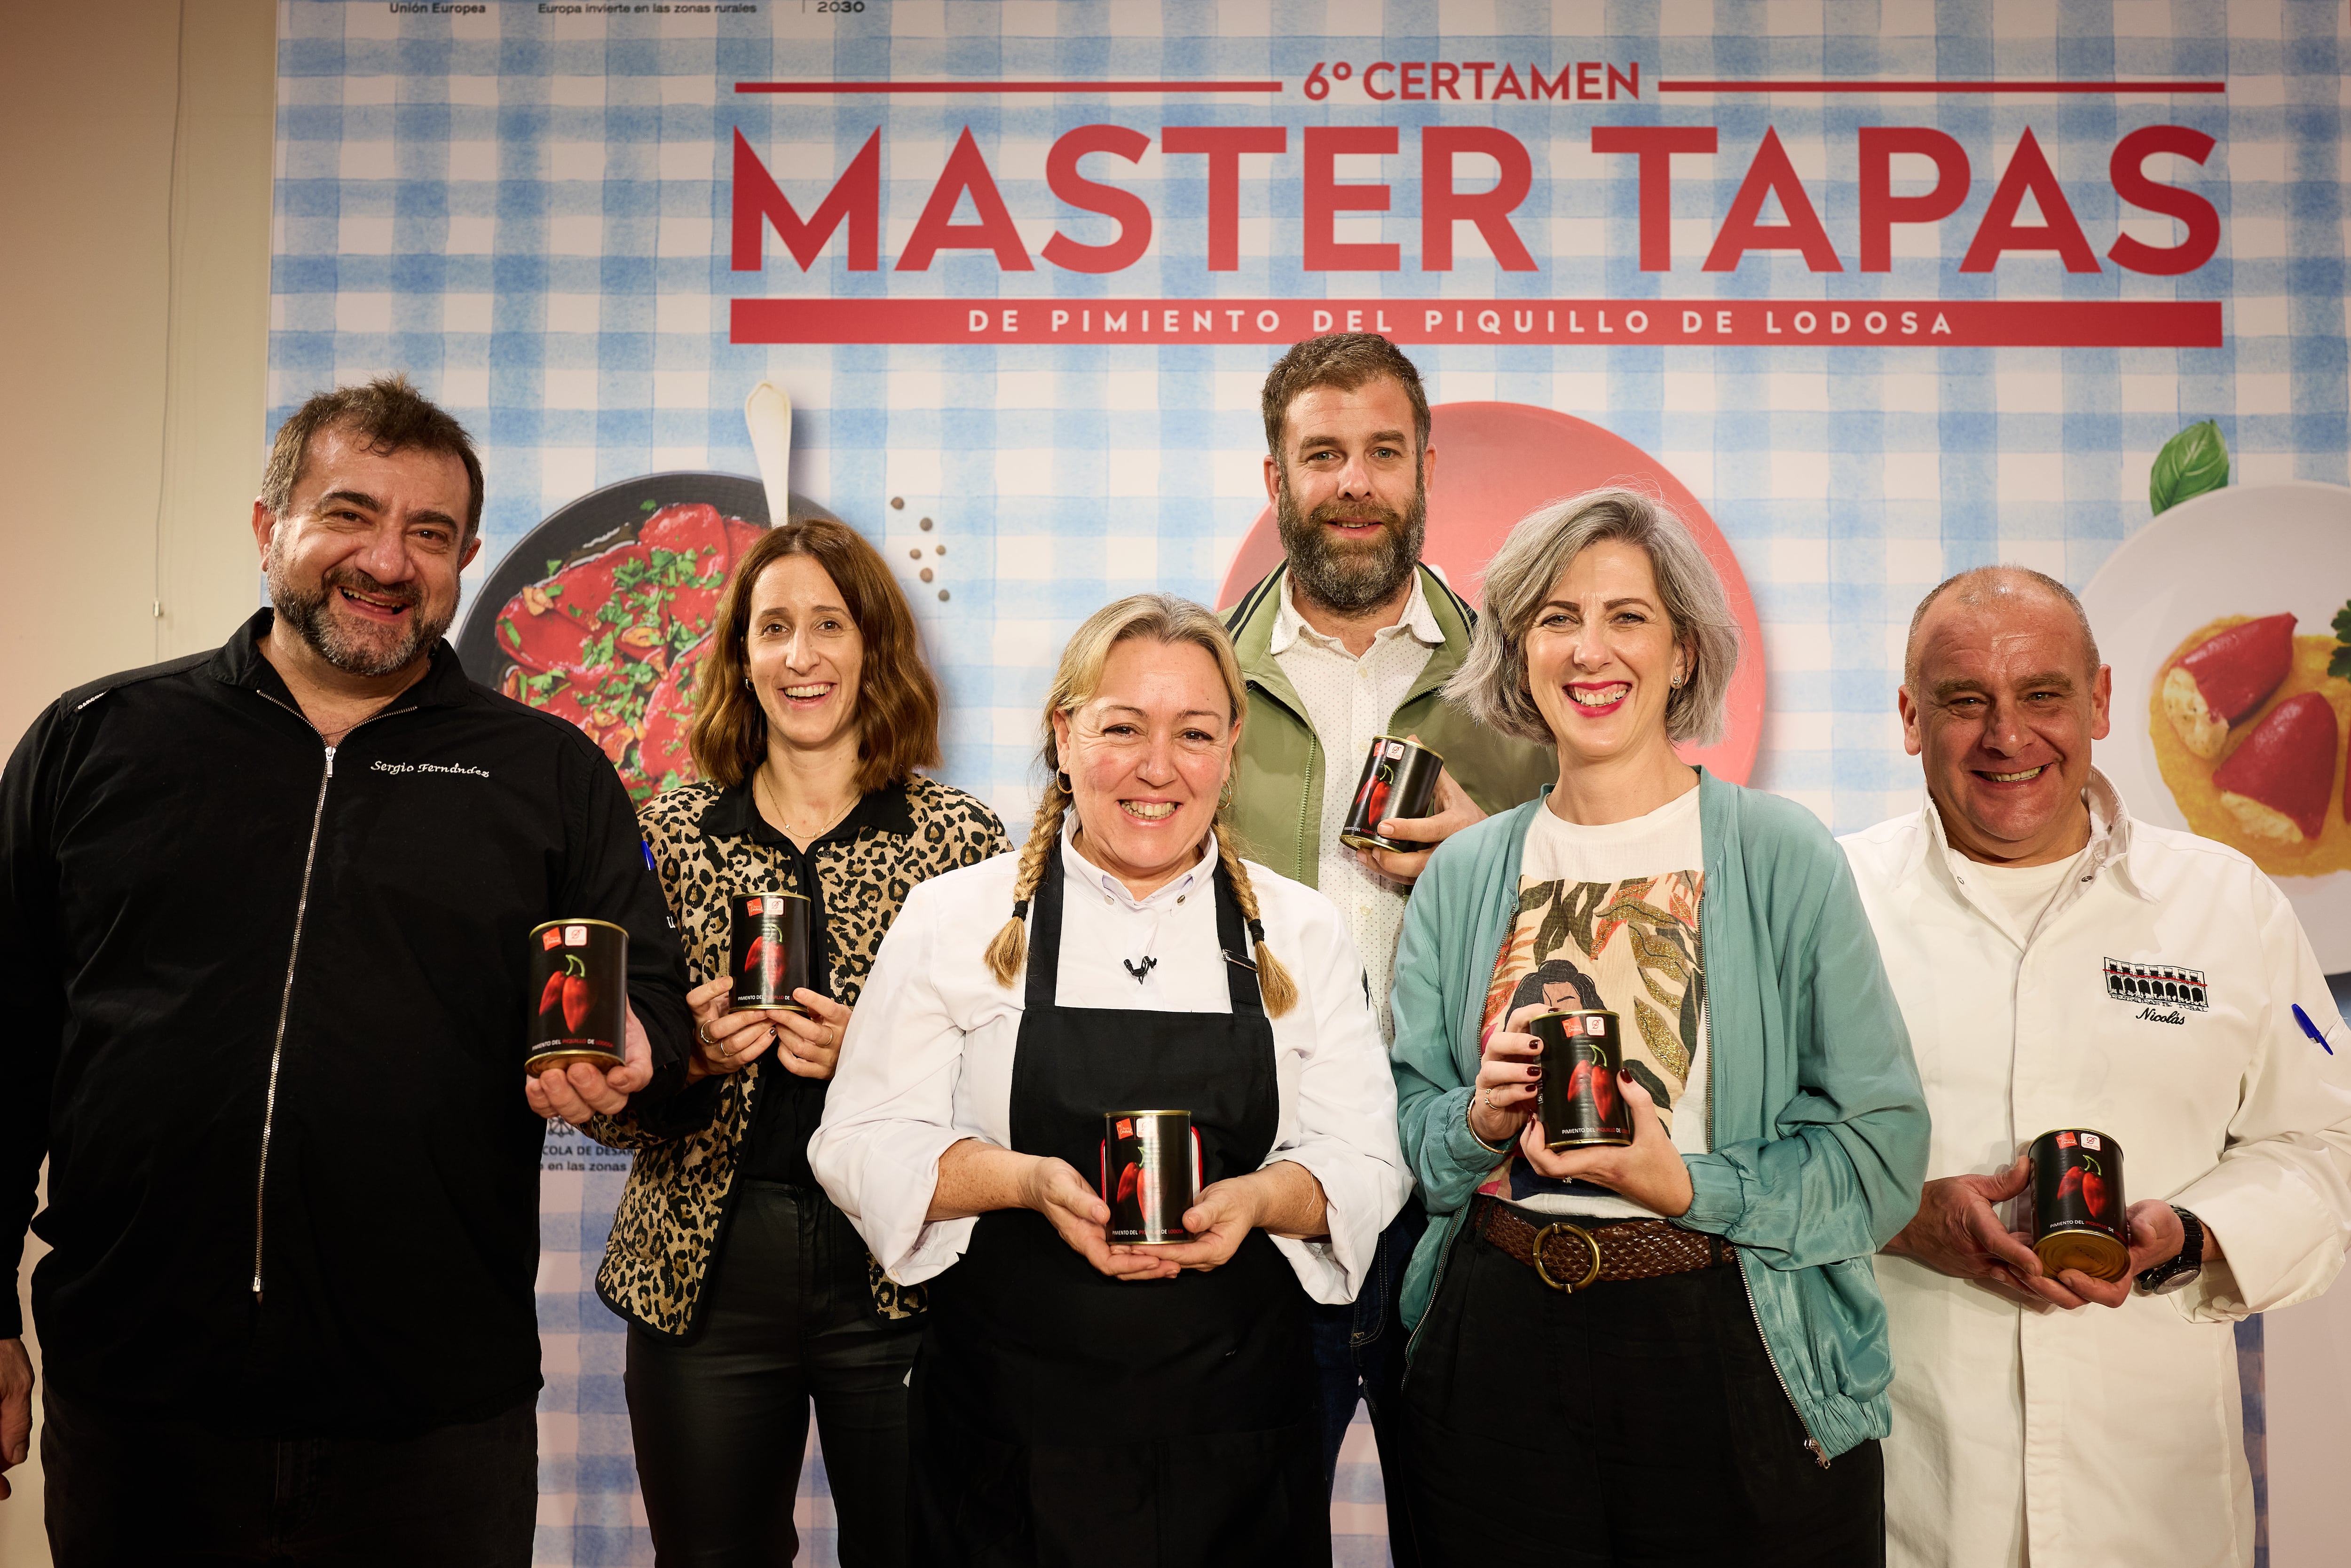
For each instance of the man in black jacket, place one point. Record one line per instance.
(263, 930)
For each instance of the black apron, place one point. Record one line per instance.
(1059, 1416)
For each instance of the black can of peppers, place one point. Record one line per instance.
(1399, 780)
(1578, 1099)
(2080, 1217)
(770, 946)
(1150, 1174)
(580, 994)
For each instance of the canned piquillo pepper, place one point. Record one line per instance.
(2080, 1217)
(1399, 780)
(1150, 1174)
(580, 994)
(770, 942)
(1578, 1099)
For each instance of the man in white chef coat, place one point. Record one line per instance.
(2061, 965)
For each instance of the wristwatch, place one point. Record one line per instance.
(2181, 1272)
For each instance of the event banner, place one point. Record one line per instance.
(1869, 294)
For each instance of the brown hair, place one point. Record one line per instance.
(387, 413)
(897, 698)
(1168, 620)
(1345, 361)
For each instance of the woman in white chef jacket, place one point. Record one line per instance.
(1074, 1399)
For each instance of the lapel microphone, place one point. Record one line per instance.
(1139, 971)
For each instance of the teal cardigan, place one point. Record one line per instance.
(1819, 1126)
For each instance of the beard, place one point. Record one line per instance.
(1344, 576)
(366, 651)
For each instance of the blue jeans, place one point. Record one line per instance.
(1359, 1354)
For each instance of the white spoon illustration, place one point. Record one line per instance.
(768, 411)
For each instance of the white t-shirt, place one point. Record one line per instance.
(1608, 919)
(2023, 893)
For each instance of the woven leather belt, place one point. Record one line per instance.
(1574, 1258)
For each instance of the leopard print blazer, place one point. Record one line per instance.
(673, 1209)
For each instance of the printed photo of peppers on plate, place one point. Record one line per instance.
(2248, 719)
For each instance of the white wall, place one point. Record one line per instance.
(136, 334)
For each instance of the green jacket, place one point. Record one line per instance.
(1817, 1123)
(1277, 793)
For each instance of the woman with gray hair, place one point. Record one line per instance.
(1686, 1323)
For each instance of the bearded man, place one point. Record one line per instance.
(1348, 639)
(264, 927)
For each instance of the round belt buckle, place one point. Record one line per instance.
(1582, 1235)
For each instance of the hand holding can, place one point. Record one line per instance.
(2078, 1212)
(1399, 780)
(771, 945)
(1149, 1175)
(580, 991)
(1577, 1098)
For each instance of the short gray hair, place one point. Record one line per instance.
(1980, 583)
(1491, 684)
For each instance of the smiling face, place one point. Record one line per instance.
(1602, 656)
(1146, 757)
(1350, 493)
(362, 566)
(2001, 712)
(803, 653)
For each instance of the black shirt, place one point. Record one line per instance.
(214, 925)
(787, 1107)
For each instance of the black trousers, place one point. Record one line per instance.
(1639, 1421)
(138, 1491)
(1359, 1357)
(720, 1421)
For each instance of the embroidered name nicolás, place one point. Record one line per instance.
(2162, 984)
(471, 772)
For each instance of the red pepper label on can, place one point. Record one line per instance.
(2075, 1204)
(578, 995)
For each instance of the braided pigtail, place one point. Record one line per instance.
(1010, 949)
(1273, 981)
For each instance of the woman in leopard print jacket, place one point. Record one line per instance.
(748, 1293)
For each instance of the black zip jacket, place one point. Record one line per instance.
(264, 1009)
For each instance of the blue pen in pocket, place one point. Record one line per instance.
(2310, 1028)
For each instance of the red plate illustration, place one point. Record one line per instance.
(1499, 460)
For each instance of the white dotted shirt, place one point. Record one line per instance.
(1351, 702)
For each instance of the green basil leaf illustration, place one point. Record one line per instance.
(2339, 664)
(2192, 462)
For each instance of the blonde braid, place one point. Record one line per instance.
(1010, 949)
(1273, 981)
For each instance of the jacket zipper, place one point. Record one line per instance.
(286, 995)
(1309, 810)
(1706, 1039)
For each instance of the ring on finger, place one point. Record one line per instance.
(702, 1033)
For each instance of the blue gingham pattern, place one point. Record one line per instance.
(530, 213)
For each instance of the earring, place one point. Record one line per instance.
(746, 683)
(1062, 779)
(1225, 796)
(1676, 682)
